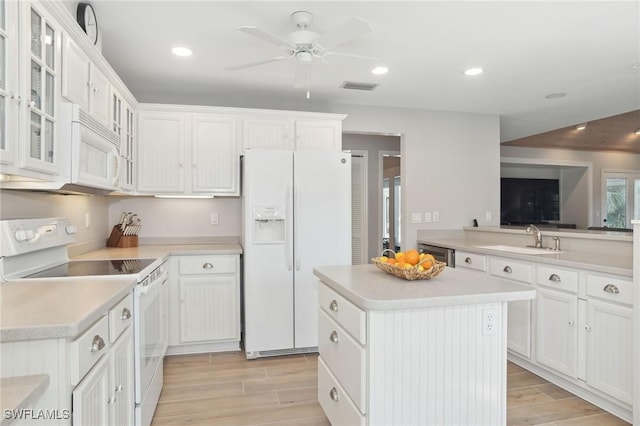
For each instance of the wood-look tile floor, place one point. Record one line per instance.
(226, 389)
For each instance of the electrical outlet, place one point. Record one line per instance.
(214, 218)
(427, 217)
(416, 218)
(87, 220)
(436, 216)
(487, 216)
(489, 322)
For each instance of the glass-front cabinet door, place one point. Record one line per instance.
(43, 78)
(9, 90)
(128, 144)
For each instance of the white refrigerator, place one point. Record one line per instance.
(296, 216)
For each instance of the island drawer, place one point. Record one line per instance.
(610, 288)
(510, 269)
(557, 278)
(471, 260)
(343, 312)
(120, 317)
(345, 357)
(333, 399)
(87, 349)
(211, 264)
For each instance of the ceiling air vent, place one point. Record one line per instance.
(355, 85)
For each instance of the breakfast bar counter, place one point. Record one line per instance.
(413, 352)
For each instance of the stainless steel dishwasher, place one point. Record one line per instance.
(443, 254)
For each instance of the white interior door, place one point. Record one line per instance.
(268, 254)
(359, 223)
(322, 206)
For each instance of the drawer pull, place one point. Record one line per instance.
(207, 266)
(555, 278)
(333, 306)
(97, 344)
(468, 260)
(126, 314)
(333, 337)
(333, 394)
(507, 269)
(610, 288)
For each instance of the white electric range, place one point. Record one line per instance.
(36, 249)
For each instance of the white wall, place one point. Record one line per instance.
(450, 163)
(599, 160)
(180, 217)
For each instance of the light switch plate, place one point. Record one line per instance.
(436, 216)
(427, 217)
(416, 218)
(214, 218)
(487, 216)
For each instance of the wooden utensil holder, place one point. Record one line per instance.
(117, 239)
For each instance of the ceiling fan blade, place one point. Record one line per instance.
(302, 74)
(343, 33)
(253, 64)
(271, 38)
(349, 55)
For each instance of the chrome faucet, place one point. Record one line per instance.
(532, 229)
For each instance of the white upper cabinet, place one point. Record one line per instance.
(9, 82)
(267, 133)
(83, 83)
(291, 132)
(214, 154)
(318, 135)
(161, 152)
(41, 57)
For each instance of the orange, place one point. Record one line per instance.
(391, 261)
(412, 257)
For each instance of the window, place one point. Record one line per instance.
(621, 198)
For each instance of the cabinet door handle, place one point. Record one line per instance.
(119, 388)
(610, 288)
(468, 260)
(126, 314)
(507, 269)
(571, 323)
(97, 344)
(333, 306)
(555, 278)
(333, 394)
(207, 266)
(333, 337)
(587, 328)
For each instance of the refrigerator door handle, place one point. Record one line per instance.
(289, 243)
(296, 224)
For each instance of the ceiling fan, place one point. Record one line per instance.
(305, 46)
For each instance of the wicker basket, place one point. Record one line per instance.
(412, 273)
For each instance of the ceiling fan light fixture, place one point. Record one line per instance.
(473, 71)
(181, 51)
(380, 70)
(581, 126)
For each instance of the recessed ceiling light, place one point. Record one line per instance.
(637, 132)
(181, 51)
(556, 95)
(474, 71)
(581, 126)
(380, 70)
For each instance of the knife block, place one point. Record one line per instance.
(116, 239)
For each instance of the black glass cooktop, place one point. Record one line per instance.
(83, 268)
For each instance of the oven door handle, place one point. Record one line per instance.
(144, 289)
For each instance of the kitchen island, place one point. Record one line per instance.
(413, 352)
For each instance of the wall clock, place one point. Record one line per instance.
(86, 17)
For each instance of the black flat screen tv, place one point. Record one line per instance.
(525, 201)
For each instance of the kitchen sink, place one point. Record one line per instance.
(520, 250)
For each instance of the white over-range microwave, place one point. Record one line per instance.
(95, 149)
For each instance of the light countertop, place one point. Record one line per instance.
(65, 307)
(18, 392)
(57, 308)
(373, 289)
(598, 262)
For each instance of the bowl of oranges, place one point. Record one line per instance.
(410, 265)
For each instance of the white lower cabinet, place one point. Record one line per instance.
(121, 379)
(366, 375)
(557, 330)
(91, 397)
(204, 303)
